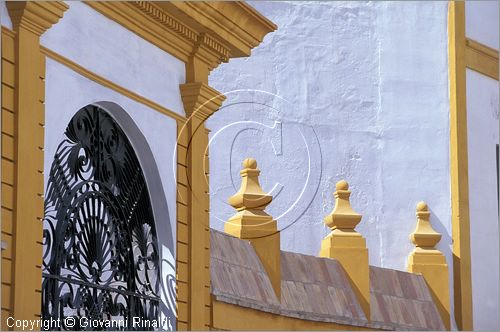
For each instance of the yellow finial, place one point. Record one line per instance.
(342, 185)
(430, 262)
(348, 246)
(424, 235)
(250, 195)
(250, 163)
(343, 216)
(422, 206)
(252, 223)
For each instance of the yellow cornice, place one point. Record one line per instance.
(481, 58)
(35, 16)
(235, 22)
(214, 31)
(200, 100)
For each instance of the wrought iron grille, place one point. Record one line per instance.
(100, 248)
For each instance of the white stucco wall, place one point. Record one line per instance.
(482, 25)
(369, 82)
(483, 137)
(110, 50)
(481, 22)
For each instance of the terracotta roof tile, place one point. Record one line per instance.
(402, 300)
(317, 289)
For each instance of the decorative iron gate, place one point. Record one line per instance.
(101, 259)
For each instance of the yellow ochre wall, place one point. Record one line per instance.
(8, 166)
(233, 317)
(23, 74)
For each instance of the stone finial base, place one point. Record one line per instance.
(431, 263)
(262, 231)
(349, 248)
(253, 224)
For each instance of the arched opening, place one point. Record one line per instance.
(102, 255)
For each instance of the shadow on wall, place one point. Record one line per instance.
(159, 206)
(446, 240)
(151, 173)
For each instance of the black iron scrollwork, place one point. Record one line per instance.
(100, 257)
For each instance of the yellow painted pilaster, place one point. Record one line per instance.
(462, 284)
(430, 262)
(200, 101)
(8, 169)
(252, 223)
(30, 21)
(348, 246)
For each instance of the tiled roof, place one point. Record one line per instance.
(238, 275)
(317, 289)
(402, 301)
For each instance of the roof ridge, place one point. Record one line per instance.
(325, 294)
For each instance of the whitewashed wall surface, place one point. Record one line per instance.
(342, 90)
(482, 25)
(483, 138)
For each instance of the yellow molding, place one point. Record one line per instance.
(35, 16)
(462, 284)
(481, 58)
(199, 102)
(30, 20)
(481, 48)
(235, 22)
(109, 84)
(8, 175)
(8, 32)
